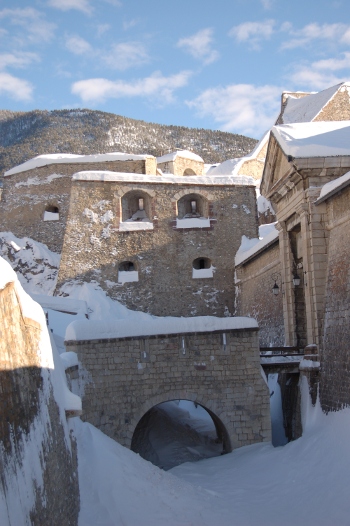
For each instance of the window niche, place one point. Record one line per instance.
(127, 272)
(136, 211)
(51, 213)
(202, 268)
(192, 212)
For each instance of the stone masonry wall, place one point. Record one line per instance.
(255, 297)
(338, 108)
(129, 376)
(21, 387)
(26, 195)
(180, 164)
(335, 356)
(94, 247)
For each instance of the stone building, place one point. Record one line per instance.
(306, 179)
(36, 194)
(180, 163)
(159, 244)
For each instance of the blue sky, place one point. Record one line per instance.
(201, 63)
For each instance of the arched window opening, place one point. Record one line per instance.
(127, 272)
(189, 171)
(192, 212)
(202, 268)
(51, 213)
(136, 211)
(198, 434)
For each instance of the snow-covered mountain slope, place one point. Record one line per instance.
(23, 135)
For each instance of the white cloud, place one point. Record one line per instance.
(17, 60)
(77, 45)
(156, 86)
(66, 5)
(125, 55)
(315, 31)
(15, 88)
(199, 46)
(306, 77)
(34, 27)
(128, 24)
(333, 64)
(253, 32)
(102, 28)
(240, 108)
(267, 4)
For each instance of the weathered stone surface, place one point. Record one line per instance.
(22, 418)
(125, 381)
(94, 245)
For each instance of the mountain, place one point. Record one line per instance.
(24, 135)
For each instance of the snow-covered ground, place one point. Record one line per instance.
(305, 482)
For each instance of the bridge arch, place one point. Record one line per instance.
(221, 426)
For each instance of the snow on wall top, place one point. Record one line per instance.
(68, 158)
(93, 330)
(333, 186)
(232, 166)
(314, 139)
(168, 179)
(182, 153)
(61, 304)
(268, 234)
(306, 109)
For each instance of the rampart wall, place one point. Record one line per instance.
(95, 245)
(32, 435)
(129, 376)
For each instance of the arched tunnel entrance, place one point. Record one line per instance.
(179, 431)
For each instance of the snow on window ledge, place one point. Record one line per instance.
(203, 272)
(131, 226)
(193, 222)
(127, 276)
(51, 216)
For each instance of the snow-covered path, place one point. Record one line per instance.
(306, 482)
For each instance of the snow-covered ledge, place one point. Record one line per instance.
(202, 272)
(51, 216)
(127, 276)
(193, 222)
(132, 226)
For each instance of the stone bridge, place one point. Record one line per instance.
(214, 362)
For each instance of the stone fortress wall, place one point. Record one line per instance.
(23, 419)
(162, 251)
(255, 280)
(27, 194)
(218, 370)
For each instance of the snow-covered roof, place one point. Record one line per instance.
(306, 109)
(232, 166)
(181, 153)
(333, 187)
(61, 304)
(251, 247)
(68, 158)
(196, 180)
(92, 330)
(314, 139)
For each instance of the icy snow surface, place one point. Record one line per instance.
(232, 166)
(193, 222)
(330, 188)
(306, 109)
(169, 179)
(306, 482)
(36, 265)
(181, 153)
(314, 139)
(65, 158)
(85, 330)
(249, 247)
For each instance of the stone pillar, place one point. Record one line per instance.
(288, 296)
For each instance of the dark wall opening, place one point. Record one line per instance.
(179, 431)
